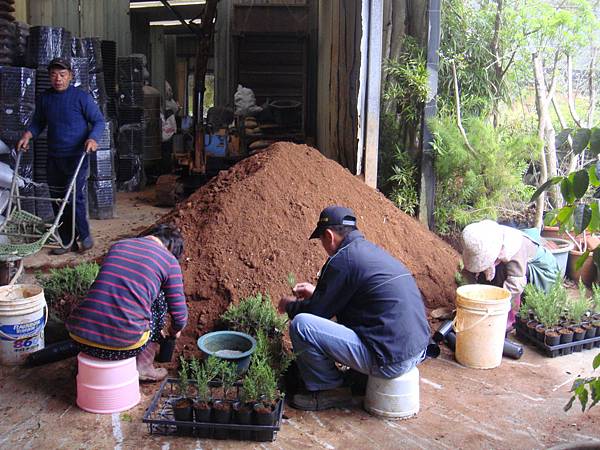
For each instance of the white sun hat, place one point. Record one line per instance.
(482, 243)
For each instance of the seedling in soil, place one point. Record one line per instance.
(184, 380)
(291, 279)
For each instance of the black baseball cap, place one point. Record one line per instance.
(334, 215)
(62, 63)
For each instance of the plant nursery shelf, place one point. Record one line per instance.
(161, 420)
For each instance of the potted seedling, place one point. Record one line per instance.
(182, 407)
(265, 409)
(596, 312)
(576, 309)
(203, 374)
(242, 409)
(222, 408)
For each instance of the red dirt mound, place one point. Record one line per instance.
(248, 228)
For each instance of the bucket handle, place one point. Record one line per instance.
(12, 338)
(456, 327)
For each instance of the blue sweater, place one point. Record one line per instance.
(68, 115)
(374, 294)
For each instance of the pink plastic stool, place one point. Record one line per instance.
(105, 387)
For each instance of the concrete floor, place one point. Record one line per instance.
(517, 405)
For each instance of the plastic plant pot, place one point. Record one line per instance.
(229, 345)
(167, 346)
(202, 414)
(222, 414)
(566, 336)
(242, 415)
(264, 415)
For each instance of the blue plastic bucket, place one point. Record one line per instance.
(229, 345)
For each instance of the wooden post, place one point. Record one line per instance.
(427, 194)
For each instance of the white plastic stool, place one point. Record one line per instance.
(396, 397)
(105, 387)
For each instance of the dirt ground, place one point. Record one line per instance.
(515, 406)
(518, 405)
(135, 211)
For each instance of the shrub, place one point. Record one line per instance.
(74, 281)
(254, 314)
(472, 187)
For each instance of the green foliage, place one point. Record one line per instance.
(74, 281)
(204, 373)
(577, 307)
(586, 389)
(406, 83)
(262, 379)
(184, 376)
(254, 314)
(291, 279)
(596, 298)
(404, 182)
(547, 307)
(227, 375)
(472, 187)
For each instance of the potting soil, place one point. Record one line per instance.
(247, 230)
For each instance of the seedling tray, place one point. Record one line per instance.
(160, 419)
(553, 351)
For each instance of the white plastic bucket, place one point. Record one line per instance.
(395, 397)
(23, 316)
(480, 325)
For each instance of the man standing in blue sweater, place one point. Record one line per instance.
(381, 329)
(75, 125)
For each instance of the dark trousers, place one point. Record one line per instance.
(60, 174)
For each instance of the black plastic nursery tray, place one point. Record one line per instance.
(553, 351)
(160, 419)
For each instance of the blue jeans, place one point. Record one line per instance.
(320, 343)
(60, 174)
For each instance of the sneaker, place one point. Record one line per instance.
(62, 251)
(86, 244)
(320, 400)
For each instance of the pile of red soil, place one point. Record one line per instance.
(248, 228)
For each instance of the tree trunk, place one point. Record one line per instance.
(591, 89)
(498, 71)
(570, 96)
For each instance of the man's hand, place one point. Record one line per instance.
(23, 144)
(91, 146)
(303, 290)
(283, 302)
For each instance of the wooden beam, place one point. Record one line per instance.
(373, 94)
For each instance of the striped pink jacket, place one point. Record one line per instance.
(116, 311)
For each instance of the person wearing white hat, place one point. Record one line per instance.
(508, 258)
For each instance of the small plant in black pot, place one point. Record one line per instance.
(182, 406)
(243, 408)
(203, 374)
(222, 407)
(265, 409)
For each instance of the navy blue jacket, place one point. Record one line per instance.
(67, 115)
(374, 294)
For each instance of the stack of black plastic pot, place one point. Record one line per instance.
(102, 182)
(21, 36)
(17, 105)
(96, 75)
(7, 33)
(109, 60)
(80, 65)
(130, 175)
(152, 124)
(43, 45)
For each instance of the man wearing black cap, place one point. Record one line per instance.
(381, 328)
(75, 124)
